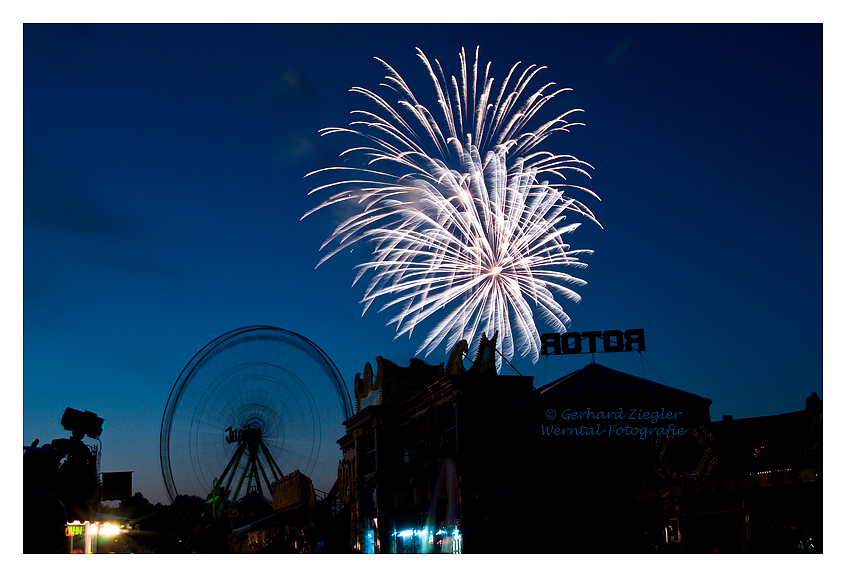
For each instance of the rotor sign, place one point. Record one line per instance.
(613, 341)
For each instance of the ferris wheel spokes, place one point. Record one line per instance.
(249, 440)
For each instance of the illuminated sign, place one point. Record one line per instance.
(75, 530)
(612, 341)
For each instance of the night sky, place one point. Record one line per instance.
(164, 185)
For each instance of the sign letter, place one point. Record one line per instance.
(592, 335)
(550, 341)
(610, 347)
(634, 337)
(569, 348)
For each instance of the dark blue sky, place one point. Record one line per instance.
(163, 190)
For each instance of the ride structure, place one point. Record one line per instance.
(251, 405)
(252, 449)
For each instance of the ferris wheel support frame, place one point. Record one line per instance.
(249, 440)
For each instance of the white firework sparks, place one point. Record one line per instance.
(457, 212)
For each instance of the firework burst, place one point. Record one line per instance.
(465, 214)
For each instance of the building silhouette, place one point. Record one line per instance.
(444, 459)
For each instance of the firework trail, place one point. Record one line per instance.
(456, 209)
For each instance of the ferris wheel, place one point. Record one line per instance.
(254, 404)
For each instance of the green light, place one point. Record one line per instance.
(75, 531)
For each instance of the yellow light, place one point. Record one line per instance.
(496, 270)
(109, 530)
